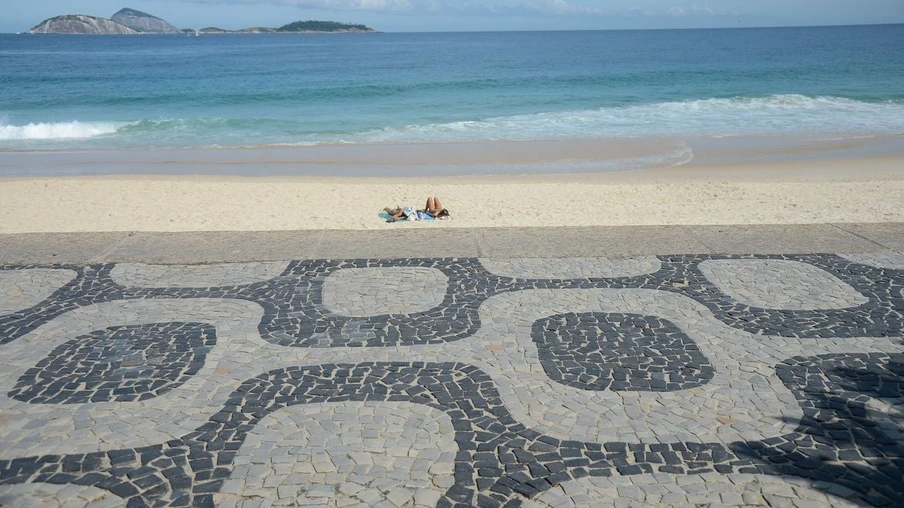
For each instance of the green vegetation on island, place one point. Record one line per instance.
(298, 27)
(323, 26)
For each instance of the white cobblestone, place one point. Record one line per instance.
(744, 490)
(325, 434)
(780, 284)
(887, 259)
(362, 292)
(227, 274)
(21, 289)
(571, 268)
(45, 495)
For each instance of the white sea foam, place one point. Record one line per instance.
(777, 115)
(774, 115)
(63, 130)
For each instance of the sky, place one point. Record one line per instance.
(472, 15)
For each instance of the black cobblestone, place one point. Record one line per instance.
(600, 351)
(839, 439)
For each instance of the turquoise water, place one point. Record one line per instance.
(140, 92)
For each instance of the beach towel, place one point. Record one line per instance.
(388, 218)
(417, 215)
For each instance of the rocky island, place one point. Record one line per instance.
(81, 24)
(132, 22)
(143, 22)
(298, 27)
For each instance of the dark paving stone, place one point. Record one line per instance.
(838, 440)
(294, 314)
(485, 473)
(626, 352)
(121, 363)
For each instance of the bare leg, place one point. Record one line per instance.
(433, 205)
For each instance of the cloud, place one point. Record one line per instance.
(329, 5)
(676, 11)
(503, 7)
(690, 11)
(352, 5)
(559, 8)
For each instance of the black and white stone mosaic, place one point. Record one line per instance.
(500, 462)
(880, 316)
(602, 351)
(118, 364)
(848, 423)
(295, 315)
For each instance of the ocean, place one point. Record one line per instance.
(115, 93)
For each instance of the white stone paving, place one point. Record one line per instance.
(688, 491)
(780, 284)
(363, 292)
(345, 454)
(887, 259)
(227, 274)
(45, 495)
(573, 268)
(21, 289)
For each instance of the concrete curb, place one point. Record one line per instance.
(555, 242)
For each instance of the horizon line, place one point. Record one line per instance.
(522, 31)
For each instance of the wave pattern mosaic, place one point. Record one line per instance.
(735, 380)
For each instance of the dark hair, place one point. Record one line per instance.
(442, 213)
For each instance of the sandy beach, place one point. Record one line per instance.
(863, 190)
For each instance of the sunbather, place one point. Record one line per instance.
(399, 213)
(435, 208)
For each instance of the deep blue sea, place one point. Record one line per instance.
(139, 92)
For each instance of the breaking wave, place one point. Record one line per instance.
(774, 115)
(777, 115)
(64, 130)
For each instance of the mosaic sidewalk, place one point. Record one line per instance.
(698, 380)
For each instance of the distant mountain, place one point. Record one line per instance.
(80, 24)
(144, 22)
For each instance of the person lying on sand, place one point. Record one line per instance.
(435, 208)
(432, 210)
(399, 213)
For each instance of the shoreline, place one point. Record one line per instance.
(479, 158)
(864, 190)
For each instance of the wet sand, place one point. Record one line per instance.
(841, 190)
